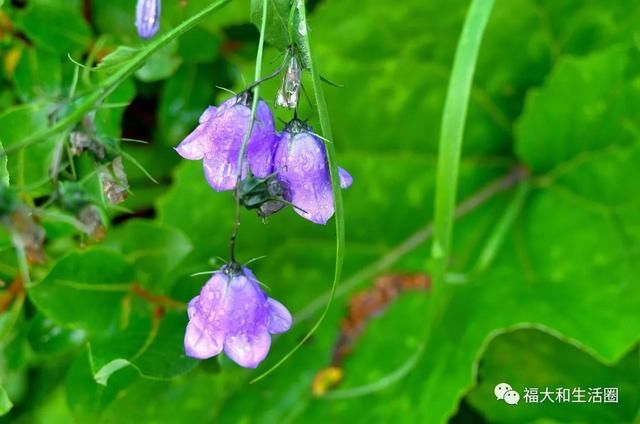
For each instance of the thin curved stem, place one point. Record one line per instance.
(450, 145)
(255, 89)
(325, 125)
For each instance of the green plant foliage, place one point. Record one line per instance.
(4, 172)
(5, 402)
(277, 30)
(542, 279)
(85, 290)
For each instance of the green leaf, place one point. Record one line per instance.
(152, 344)
(4, 171)
(154, 249)
(48, 338)
(5, 402)
(553, 363)
(191, 46)
(184, 98)
(38, 73)
(277, 30)
(86, 398)
(29, 166)
(85, 290)
(55, 26)
(160, 65)
(586, 104)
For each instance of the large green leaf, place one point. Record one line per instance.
(85, 290)
(531, 359)
(153, 248)
(587, 104)
(48, 338)
(151, 344)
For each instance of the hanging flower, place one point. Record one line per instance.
(147, 17)
(218, 138)
(300, 161)
(232, 313)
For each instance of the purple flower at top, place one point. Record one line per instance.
(233, 314)
(148, 17)
(300, 161)
(218, 138)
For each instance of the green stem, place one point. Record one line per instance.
(255, 87)
(90, 102)
(499, 233)
(452, 130)
(325, 125)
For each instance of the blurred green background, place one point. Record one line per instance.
(556, 92)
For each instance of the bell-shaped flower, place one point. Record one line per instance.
(147, 17)
(300, 161)
(232, 313)
(218, 138)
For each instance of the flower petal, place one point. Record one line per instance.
(192, 307)
(262, 142)
(220, 162)
(279, 317)
(205, 336)
(245, 306)
(248, 349)
(345, 178)
(201, 344)
(198, 142)
(301, 163)
(209, 113)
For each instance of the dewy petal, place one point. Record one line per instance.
(245, 305)
(218, 139)
(199, 343)
(208, 114)
(262, 143)
(220, 163)
(192, 307)
(345, 178)
(203, 338)
(198, 143)
(147, 17)
(248, 349)
(279, 317)
(301, 163)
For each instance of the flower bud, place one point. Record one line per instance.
(147, 17)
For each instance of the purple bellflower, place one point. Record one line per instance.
(232, 313)
(300, 161)
(218, 138)
(147, 18)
